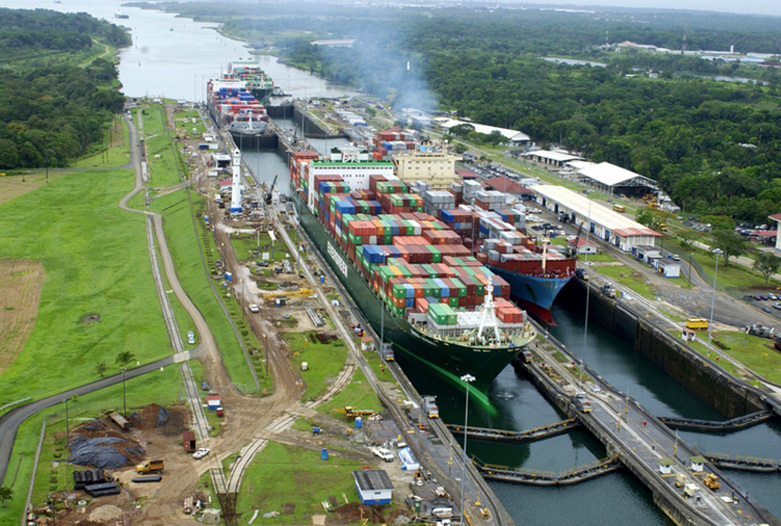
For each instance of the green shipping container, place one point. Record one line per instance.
(453, 302)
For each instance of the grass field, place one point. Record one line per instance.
(246, 245)
(183, 244)
(630, 278)
(163, 388)
(732, 276)
(118, 154)
(162, 158)
(283, 474)
(358, 394)
(753, 352)
(96, 262)
(324, 360)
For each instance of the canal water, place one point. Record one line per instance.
(174, 57)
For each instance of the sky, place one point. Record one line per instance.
(758, 7)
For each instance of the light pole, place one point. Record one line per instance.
(467, 379)
(67, 424)
(716, 252)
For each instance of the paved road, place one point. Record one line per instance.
(10, 422)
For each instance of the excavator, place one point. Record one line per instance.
(270, 192)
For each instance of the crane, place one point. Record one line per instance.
(271, 190)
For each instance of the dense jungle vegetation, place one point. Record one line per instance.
(714, 146)
(51, 114)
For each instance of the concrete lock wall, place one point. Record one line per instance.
(671, 355)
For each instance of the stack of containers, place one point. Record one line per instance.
(457, 189)
(436, 200)
(490, 199)
(470, 190)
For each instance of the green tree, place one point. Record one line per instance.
(101, 368)
(731, 244)
(124, 358)
(6, 494)
(766, 264)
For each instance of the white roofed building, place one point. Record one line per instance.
(515, 137)
(612, 227)
(555, 158)
(610, 178)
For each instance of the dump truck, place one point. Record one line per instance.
(150, 466)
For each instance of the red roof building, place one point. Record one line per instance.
(507, 185)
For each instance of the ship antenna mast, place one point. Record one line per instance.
(488, 319)
(545, 242)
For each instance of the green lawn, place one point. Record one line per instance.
(600, 258)
(163, 388)
(753, 352)
(183, 244)
(732, 276)
(358, 394)
(324, 361)
(164, 168)
(117, 155)
(96, 262)
(630, 278)
(283, 474)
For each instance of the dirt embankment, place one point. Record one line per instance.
(21, 283)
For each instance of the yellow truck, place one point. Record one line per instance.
(150, 466)
(696, 323)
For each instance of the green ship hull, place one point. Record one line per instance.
(448, 360)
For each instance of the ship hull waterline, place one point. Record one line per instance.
(449, 361)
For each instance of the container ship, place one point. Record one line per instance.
(233, 106)
(411, 276)
(258, 83)
(535, 271)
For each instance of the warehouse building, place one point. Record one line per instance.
(777, 219)
(554, 158)
(613, 179)
(602, 222)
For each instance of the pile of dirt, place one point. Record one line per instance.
(106, 452)
(175, 424)
(355, 512)
(150, 417)
(326, 338)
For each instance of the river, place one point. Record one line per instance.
(174, 57)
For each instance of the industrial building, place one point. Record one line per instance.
(613, 179)
(514, 137)
(602, 222)
(777, 219)
(374, 486)
(504, 184)
(554, 158)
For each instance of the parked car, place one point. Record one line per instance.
(767, 309)
(191, 337)
(777, 306)
(253, 307)
(772, 296)
(763, 297)
(202, 452)
(676, 257)
(748, 297)
(383, 453)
